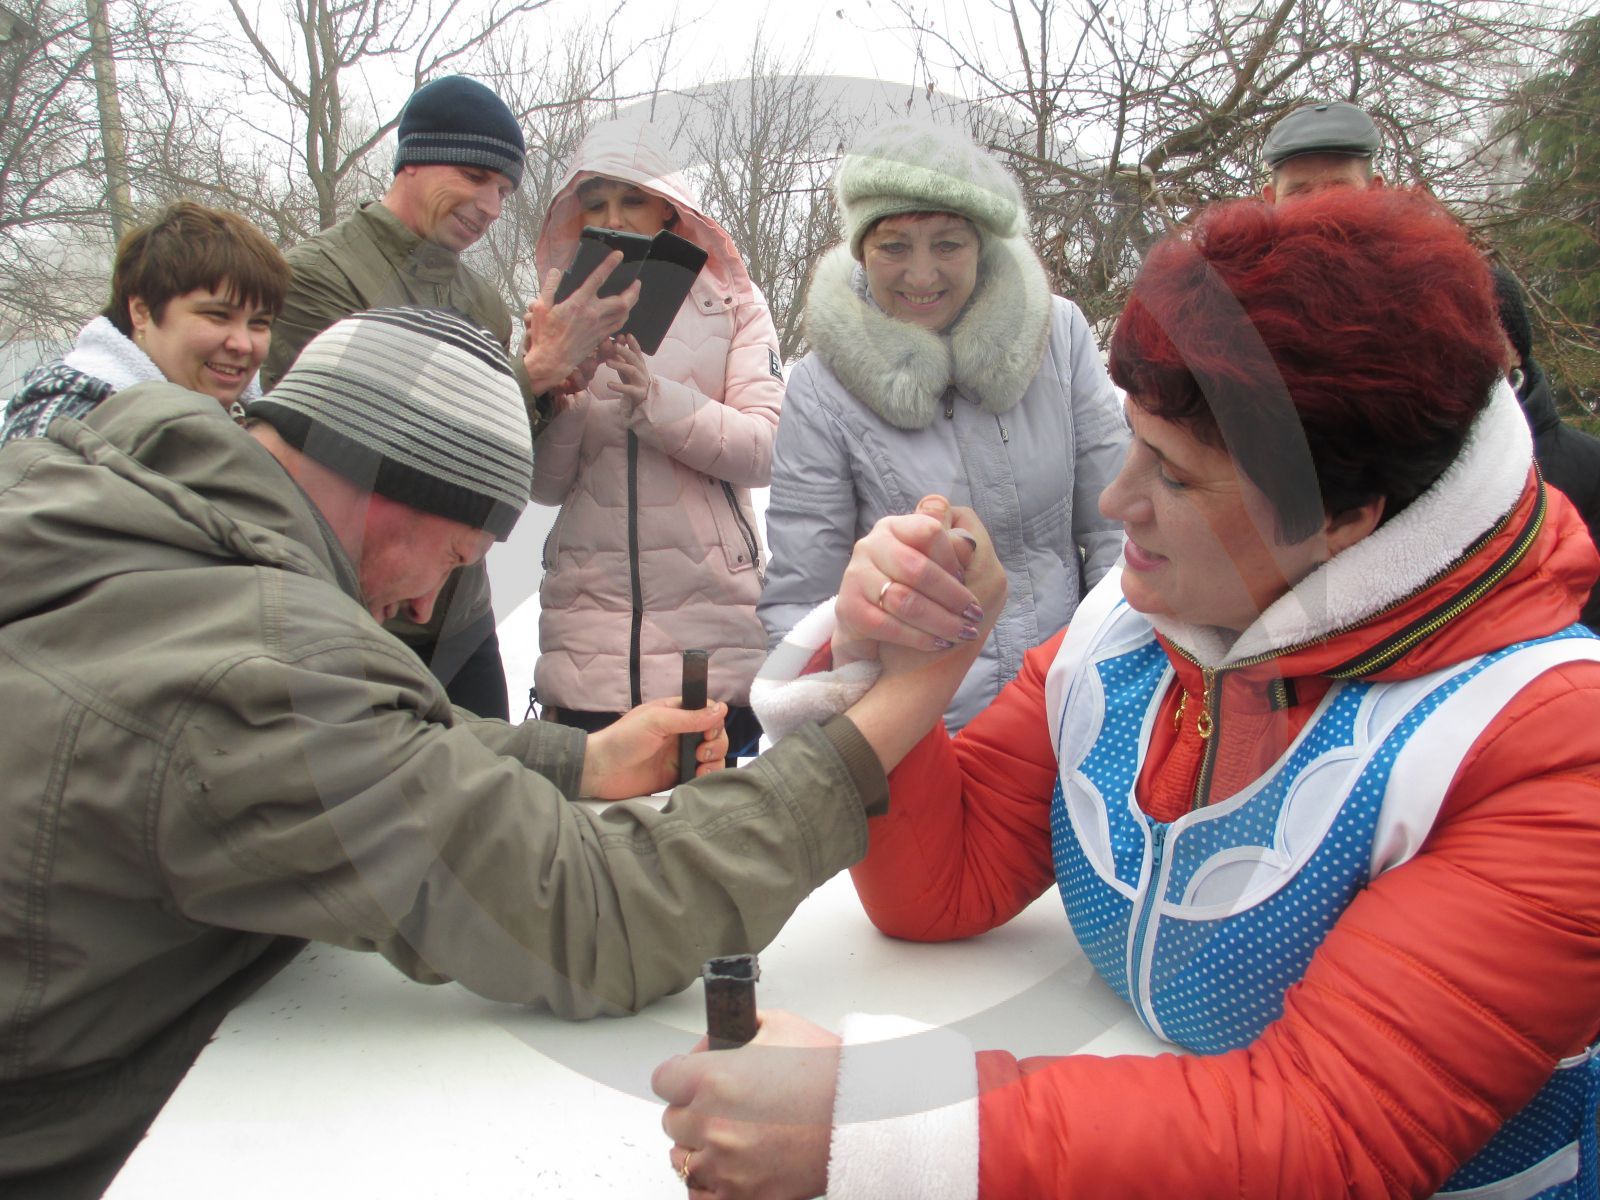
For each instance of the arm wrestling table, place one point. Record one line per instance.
(342, 1077)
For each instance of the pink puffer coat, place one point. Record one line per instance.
(656, 549)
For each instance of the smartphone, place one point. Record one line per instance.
(665, 277)
(594, 244)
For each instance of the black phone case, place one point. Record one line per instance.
(594, 244)
(665, 278)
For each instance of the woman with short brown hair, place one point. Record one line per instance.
(193, 298)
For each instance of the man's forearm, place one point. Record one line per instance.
(900, 708)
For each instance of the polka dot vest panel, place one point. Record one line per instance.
(1203, 923)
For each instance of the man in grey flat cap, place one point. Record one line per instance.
(1326, 144)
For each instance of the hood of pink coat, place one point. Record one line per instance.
(633, 151)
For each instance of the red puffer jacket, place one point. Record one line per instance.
(1436, 1007)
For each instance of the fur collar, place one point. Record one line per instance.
(102, 352)
(1480, 487)
(900, 371)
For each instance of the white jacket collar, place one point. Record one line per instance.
(1399, 557)
(899, 370)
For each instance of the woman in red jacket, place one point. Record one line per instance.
(1315, 773)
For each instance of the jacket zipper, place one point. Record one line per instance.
(744, 528)
(1394, 646)
(637, 624)
(1205, 724)
(1158, 843)
(950, 414)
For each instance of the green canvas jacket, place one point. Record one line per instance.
(212, 753)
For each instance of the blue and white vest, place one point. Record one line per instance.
(1202, 923)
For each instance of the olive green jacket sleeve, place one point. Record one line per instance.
(555, 751)
(328, 794)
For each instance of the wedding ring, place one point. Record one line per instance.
(684, 1174)
(884, 591)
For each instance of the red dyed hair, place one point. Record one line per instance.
(1350, 338)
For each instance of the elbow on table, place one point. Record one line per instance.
(923, 919)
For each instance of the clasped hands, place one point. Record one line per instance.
(564, 344)
(918, 585)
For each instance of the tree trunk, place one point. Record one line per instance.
(118, 196)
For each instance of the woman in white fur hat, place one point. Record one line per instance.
(940, 362)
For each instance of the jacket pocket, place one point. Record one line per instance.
(736, 528)
(552, 540)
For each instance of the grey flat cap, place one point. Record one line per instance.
(1330, 127)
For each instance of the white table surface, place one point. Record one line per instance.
(341, 1077)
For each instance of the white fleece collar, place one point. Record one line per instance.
(102, 352)
(1400, 556)
(899, 370)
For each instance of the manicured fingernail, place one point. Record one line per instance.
(969, 632)
(941, 644)
(972, 613)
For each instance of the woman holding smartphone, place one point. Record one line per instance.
(656, 549)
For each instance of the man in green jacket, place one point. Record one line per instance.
(459, 158)
(213, 751)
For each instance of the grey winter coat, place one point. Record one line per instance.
(1010, 411)
(212, 751)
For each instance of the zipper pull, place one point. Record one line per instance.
(949, 404)
(1183, 703)
(1202, 722)
(1004, 436)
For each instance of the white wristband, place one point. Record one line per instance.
(784, 699)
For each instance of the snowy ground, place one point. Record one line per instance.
(514, 572)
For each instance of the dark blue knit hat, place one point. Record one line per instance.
(458, 121)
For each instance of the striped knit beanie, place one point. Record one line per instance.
(459, 122)
(916, 167)
(415, 404)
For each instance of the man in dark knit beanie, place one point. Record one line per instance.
(458, 158)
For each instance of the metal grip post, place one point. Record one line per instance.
(695, 663)
(730, 1000)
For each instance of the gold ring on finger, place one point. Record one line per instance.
(884, 591)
